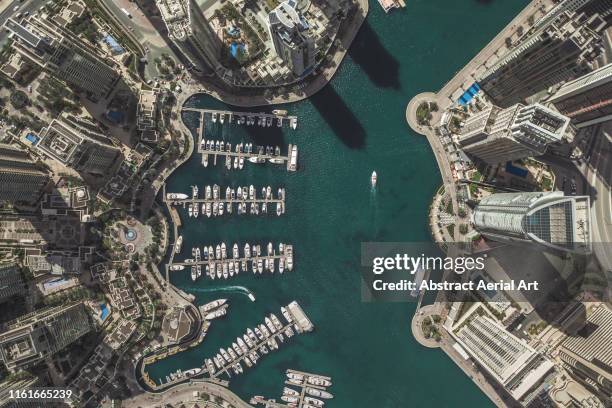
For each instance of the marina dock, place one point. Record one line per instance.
(311, 391)
(215, 203)
(219, 265)
(257, 342)
(212, 150)
(276, 118)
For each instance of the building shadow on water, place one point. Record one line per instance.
(369, 53)
(339, 117)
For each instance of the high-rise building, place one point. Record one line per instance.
(11, 282)
(292, 40)
(587, 100)
(511, 361)
(78, 147)
(601, 7)
(147, 115)
(561, 49)
(588, 356)
(63, 55)
(497, 135)
(549, 219)
(22, 180)
(191, 33)
(39, 335)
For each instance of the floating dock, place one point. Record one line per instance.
(311, 391)
(240, 154)
(224, 266)
(247, 349)
(213, 204)
(261, 119)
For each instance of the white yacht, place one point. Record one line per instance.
(373, 179)
(176, 196)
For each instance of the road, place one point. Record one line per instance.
(28, 6)
(183, 394)
(599, 176)
(143, 31)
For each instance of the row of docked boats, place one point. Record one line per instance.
(263, 120)
(245, 198)
(215, 309)
(235, 160)
(312, 391)
(248, 348)
(180, 374)
(218, 265)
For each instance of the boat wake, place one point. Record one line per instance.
(224, 289)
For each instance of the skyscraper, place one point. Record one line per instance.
(548, 219)
(32, 338)
(292, 40)
(587, 355)
(21, 178)
(587, 100)
(11, 282)
(191, 33)
(511, 361)
(562, 48)
(79, 148)
(498, 135)
(63, 55)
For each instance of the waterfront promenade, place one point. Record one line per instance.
(446, 96)
(217, 396)
(300, 91)
(445, 99)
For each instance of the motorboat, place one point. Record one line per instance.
(257, 159)
(177, 267)
(374, 178)
(318, 393)
(218, 252)
(178, 245)
(247, 250)
(214, 117)
(235, 252)
(176, 196)
(194, 273)
(223, 250)
(213, 305)
(208, 210)
(207, 193)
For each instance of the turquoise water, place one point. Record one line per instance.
(352, 127)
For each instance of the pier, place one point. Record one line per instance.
(219, 265)
(211, 150)
(213, 204)
(263, 339)
(310, 387)
(247, 118)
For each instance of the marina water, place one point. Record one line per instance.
(352, 127)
